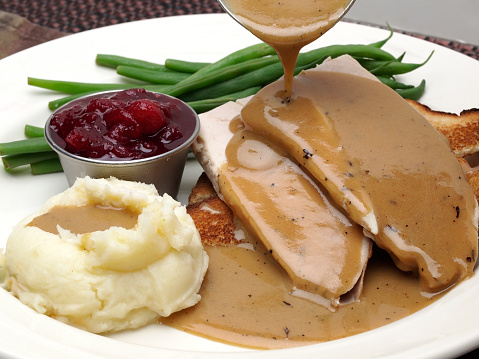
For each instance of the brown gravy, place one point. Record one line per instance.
(85, 219)
(246, 296)
(246, 301)
(363, 139)
(288, 25)
(323, 252)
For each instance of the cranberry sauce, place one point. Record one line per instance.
(125, 125)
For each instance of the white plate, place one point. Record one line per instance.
(447, 328)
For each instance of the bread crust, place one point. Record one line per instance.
(461, 130)
(213, 218)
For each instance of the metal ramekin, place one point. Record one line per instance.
(164, 171)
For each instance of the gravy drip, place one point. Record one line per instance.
(246, 301)
(84, 219)
(322, 251)
(287, 25)
(386, 154)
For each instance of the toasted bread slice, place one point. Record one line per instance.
(472, 175)
(213, 218)
(473, 179)
(461, 130)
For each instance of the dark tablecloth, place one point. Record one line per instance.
(77, 15)
(24, 23)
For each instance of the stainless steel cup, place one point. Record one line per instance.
(164, 171)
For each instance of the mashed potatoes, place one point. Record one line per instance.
(113, 279)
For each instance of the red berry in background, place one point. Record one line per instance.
(146, 147)
(166, 110)
(101, 105)
(130, 95)
(170, 133)
(100, 149)
(121, 134)
(121, 151)
(117, 116)
(91, 120)
(80, 139)
(148, 114)
(63, 122)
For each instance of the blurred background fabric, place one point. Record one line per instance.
(73, 16)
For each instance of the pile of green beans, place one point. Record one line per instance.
(204, 86)
(33, 151)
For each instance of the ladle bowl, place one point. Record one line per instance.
(230, 12)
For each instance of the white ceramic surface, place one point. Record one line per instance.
(445, 329)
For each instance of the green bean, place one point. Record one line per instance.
(392, 83)
(209, 104)
(258, 77)
(254, 51)
(302, 65)
(54, 104)
(152, 76)
(267, 74)
(413, 93)
(244, 93)
(250, 52)
(30, 145)
(184, 66)
(397, 68)
(113, 61)
(71, 87)
(247, 53)
(400, 58)
(355, 50)
(34, 131)
(47, 166)
(374, 66)
(220, 75)
(381, 43)
(14, 161)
